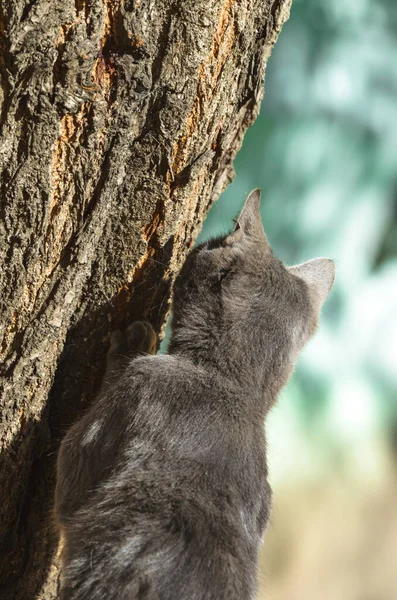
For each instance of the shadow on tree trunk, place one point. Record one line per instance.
(28, 556)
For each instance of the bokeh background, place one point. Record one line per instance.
(324, 152)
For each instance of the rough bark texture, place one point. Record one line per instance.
(119, 123)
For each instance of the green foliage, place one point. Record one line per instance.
(324, 152)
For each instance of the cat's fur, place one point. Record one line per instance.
(162, 489)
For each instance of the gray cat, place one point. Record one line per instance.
(162, 489)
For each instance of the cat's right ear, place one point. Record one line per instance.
(319, 275)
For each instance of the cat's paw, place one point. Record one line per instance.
(138, 338)
(141, 337)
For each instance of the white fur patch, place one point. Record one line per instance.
(92, 433)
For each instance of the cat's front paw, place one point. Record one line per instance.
(141, 337)
(138, 338)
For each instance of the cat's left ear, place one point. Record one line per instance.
(250, 219)
(319, 274)
(249, 222)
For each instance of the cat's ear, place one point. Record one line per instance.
(249, 222)
(249, 219)
(319, 274)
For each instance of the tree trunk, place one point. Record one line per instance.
(119, 121)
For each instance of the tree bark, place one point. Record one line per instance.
(119, 121)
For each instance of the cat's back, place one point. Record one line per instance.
(192, 429)
(167, 373)
(181, 491)
(172, 395)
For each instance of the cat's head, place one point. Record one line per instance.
(234, 289)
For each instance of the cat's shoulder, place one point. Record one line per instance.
(167, 365)
(172, 372)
